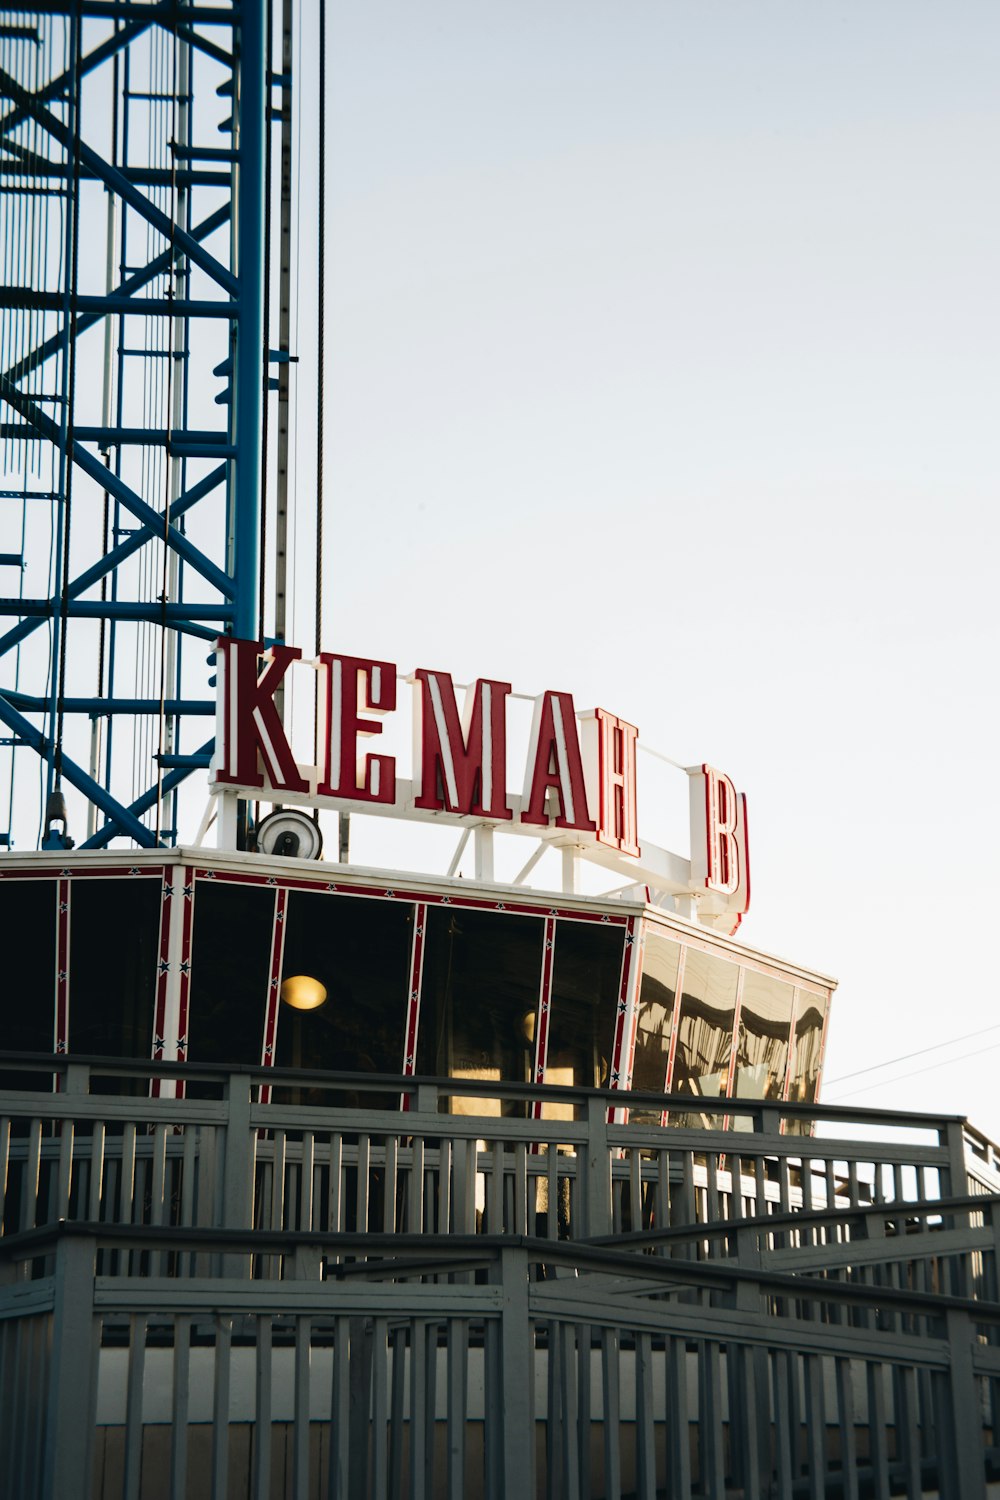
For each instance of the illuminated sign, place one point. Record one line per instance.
(579, 782)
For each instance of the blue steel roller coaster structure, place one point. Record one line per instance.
(134, 213)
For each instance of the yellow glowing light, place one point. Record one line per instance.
(302, 992)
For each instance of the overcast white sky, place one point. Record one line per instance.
(663, 368)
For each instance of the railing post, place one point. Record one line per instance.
(958, 1171)
(597, 1171)
(238, 1165)
(967, 1411)
(72, 1394)
(517, 1420)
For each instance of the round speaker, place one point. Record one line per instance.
(290, 834)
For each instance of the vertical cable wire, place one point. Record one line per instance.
(321, 354)
(73, 209)
(268, 169)
(167, 468)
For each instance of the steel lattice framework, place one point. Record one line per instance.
(133, 365)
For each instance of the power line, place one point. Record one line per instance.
(962, 1057)
(921, 1052)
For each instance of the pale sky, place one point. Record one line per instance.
(662, 367)
(664, 345)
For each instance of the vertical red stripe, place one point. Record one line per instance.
(413, 998)
(620, 1057)
(822, 1049)
(734, 1044)
(162, 978)
(675, 1025)
(270, 1041)
(544, 1009)
(186, 878)
(62, 968)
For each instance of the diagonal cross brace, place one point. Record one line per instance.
(113, 559)
(107, 480)
(61, 84)
(126, 821)
(120, 185)
(103, 836)
(126, 288)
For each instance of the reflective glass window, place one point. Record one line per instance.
(705, 1025)
(28, 986)
(586, 977)
(113, 952)
(482, 974)
(657, 991)
(810, 1018)
(230, 964)
(762, 1036)
(359, 950)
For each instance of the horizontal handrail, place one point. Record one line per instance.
(440, 1251)
(62, 1064)
(801, 1219)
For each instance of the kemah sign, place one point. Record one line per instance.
(578, 788)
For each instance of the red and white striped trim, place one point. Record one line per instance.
(61, 1038)
(270, 1041)
(428, 898)
(162, 979)
(621, 1057)
(544, 1010)
(414, 995)
(184, 965)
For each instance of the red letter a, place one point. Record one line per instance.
(556, 763)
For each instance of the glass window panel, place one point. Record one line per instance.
(762, 1037)
(359, 950)
(482, 973)
(705, 1025)
(810, 1018)
(586, 976)
(656, 1009)
(28, 989)
(230, 961)
(113, 953)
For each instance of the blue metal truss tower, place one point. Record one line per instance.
(133, 369)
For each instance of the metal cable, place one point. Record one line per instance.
(321, 322)
(73, 207)
(320, 358)
(268, 169)
(167, 473)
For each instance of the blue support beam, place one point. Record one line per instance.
(43, 426)
(114, 559)
(113, 829)
(124, 821)
(90, 310)
(108, 604)
(29, 703)
(119, 184)
(250, 333)
(118, 609)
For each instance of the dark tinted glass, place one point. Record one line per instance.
(114, 934)
(586, 976)
(359, 950)
(28, 985)
(482, 974)
(230, 956)
(705, 1026)
(762, 1037)
(656, 1008)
